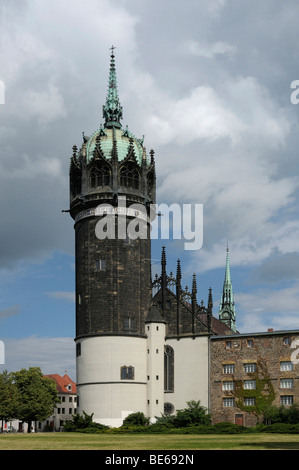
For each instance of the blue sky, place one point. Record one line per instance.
(208, 84)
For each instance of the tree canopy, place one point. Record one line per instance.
(27, 395)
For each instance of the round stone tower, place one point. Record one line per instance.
(112, 185)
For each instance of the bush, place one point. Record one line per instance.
(82, 423)
(229, 428)
(281, 428)
(136, 419)
(193, 415)
(282, 414)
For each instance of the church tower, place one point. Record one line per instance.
(227, 311)
(112, 185)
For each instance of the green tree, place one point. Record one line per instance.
(37, 395)
(136, 419)
(263, 393)
(192, 415)
(282, 414)
(81, 422)
(8, 397)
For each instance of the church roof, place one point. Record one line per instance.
(154, 315)
(113, 138)
(218, 327)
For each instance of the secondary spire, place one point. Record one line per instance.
(227, 311)
(112, 110)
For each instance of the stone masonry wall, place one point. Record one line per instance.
(274, 348)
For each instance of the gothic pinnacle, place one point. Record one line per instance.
(112, 110)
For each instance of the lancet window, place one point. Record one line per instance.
(100, 176)
(129, 176)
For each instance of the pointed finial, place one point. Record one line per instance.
(163, 257)
(178, 271)
(112, 110)
(152, 154)
(112, 49)
(210, 300)
(194, 285)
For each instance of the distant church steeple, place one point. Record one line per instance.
(227, 311)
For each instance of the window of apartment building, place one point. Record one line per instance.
(250, 343)
(228, 368)
(228, 385)
(286, 383)
(249, 401)
(228, 344)
(286, 400)
(287, 340)
(249, 367)
(228, 402)
(286, 365)
(249, 384)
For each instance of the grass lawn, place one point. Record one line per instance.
(112, 442)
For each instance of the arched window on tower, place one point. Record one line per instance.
(127, 373)
(129, 176)
(168, 369)
(100, 176)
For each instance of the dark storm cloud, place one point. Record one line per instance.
(208, 84)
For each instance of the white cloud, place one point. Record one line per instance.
(9, 312)
(209, 50)
(46, 105)
(52, 355)
(68, 296)
(268, 308)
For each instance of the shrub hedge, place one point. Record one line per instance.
(219, 428)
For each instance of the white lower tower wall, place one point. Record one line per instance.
(155, 369)
(191, 371)
(100, 387)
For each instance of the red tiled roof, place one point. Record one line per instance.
(218, 326)
(64, 384)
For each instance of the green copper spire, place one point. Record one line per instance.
(227, 311)
(112, 110)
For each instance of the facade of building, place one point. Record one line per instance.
(67, 408)
(142, 344)
(236, 357)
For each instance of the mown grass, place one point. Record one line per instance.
(77, 441)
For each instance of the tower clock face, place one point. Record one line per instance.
(226, 315)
